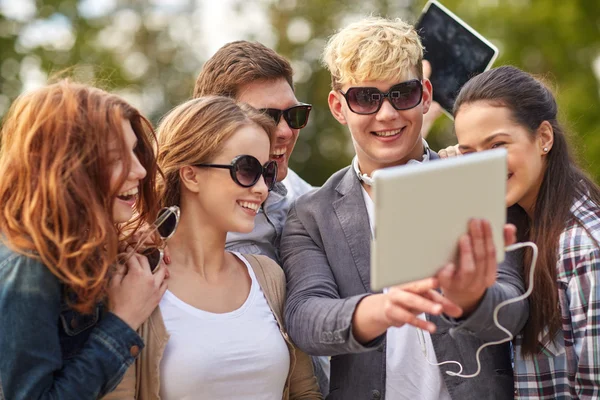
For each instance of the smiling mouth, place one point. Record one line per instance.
(249, 206)
(390, 133)
(128, 195)
(278, 153)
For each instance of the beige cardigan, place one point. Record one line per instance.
(142, 381)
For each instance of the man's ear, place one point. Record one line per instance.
(189, 178)
(335, 106)
(427, 95)
(545, 134)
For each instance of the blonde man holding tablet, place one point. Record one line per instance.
(380, 94)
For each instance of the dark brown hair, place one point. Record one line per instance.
(530, 103)
(239, 63)
(55, 195)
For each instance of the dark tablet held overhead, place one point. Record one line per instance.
(454, 49)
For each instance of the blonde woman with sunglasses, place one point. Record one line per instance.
(218, 332)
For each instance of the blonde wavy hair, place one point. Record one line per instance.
(195, 132)
(373, 48)
(55, 199)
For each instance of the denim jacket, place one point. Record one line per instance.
(268, 225)
(48, 350)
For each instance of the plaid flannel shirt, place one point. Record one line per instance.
(569, 366)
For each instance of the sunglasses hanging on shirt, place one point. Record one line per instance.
(165, 224)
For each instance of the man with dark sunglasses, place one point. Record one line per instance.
(380, 93)
(252, 73)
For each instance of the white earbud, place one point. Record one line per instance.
(361, 177)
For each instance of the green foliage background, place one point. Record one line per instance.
(156, 65)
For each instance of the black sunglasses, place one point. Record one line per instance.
(246, 170)
(165, 224)
(368, 100)
(296, 116)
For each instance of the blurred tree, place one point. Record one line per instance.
(138, 50)
(558, 40)
(150, 52)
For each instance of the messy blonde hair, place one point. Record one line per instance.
(373, 48)
(195, 132)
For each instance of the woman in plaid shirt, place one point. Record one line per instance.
(557, 355)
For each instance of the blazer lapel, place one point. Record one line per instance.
(351, 212)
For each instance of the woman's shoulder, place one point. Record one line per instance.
(265, 265)
(584, 226)
(579, 244)
(8, 256)
(22, 272)
(270, 276)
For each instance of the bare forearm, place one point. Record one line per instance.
(365, 326)
(398, 306)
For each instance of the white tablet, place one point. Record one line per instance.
(456, 52)
(421, 210)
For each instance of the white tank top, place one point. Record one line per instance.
(235, 355)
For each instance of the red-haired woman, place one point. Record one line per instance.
(76, 162)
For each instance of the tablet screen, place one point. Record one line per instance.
(456, 52)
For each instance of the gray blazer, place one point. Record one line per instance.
(325, 250)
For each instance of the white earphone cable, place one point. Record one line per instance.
(509, 337)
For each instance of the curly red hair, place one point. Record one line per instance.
(55, 196)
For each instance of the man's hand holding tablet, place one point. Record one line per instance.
(400, 305)
(463, 286)
(466, 283)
